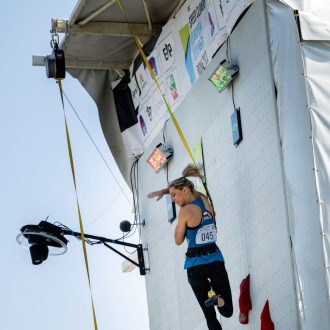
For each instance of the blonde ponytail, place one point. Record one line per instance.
(194, 170)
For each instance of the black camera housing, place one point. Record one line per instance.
(55, 64)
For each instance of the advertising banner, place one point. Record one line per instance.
(183, 50)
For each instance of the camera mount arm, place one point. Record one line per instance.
(104, 241)
(44, 235)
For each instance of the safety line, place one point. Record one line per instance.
(176, 124)
(78, 207)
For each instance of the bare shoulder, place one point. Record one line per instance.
(187, 210)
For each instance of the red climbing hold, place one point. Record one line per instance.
(266, 321)
(245, 304)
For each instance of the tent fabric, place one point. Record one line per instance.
(314, 28)
(104, 47)
(304, 130)
(317, 75)
(317, 8)
(98, 85)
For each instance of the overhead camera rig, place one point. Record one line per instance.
(55, 62)
(45, 236)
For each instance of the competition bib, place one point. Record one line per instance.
(206, 234)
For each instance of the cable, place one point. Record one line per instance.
(129, 234)
(87, 240)
(164, 139)
(98, 150)
(228, 56)
(105, 210)
(232, 95)
(134, 179)
(137, 200)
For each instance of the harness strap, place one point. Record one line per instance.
(202, 250)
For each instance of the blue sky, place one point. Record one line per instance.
(36, 182)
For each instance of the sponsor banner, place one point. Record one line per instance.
(197, 33)
(183, 51)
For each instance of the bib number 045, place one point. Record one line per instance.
(207, 234)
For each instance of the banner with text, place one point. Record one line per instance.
(183, 50)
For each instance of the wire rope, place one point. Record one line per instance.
(96, 147)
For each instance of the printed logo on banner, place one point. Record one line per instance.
(153, 66)
(173, 88)
(201, 65)
(143, 125)
(198, 35)
(157, 100)
(196, 29)
(147, 117)
(149, 112)
(153, 61)
(212, 27)
(220, 13)
(135, 91)
(185, 42)
(166, 52)
(142, 80)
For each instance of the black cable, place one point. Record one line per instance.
(128, 234)
(228, 56)
(232, 94)
(228, 50)
(134, 178)
(137, 200)
(87, 240)
(164, 139)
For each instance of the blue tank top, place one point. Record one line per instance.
(201, 237)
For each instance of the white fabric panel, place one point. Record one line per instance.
(317, 69)
(133, 140)
(298, 162)
(313, 28)
(318, 8)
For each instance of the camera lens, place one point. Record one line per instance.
(39, 253)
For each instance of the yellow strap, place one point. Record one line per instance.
(176, 124)
(78, 207)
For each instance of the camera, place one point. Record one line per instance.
(55, 64)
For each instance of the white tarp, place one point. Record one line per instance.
(317, 75)
(313, 28)
(317, 8)
(304, 121)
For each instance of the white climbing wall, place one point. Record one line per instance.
(246, 184)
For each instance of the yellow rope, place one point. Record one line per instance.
(78, 207)
(176, 124)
